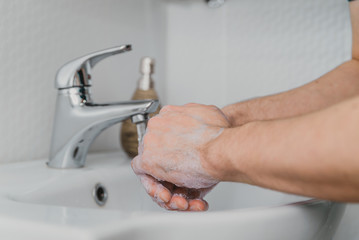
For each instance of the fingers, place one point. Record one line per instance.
(135, 164)
(178, 202)
(168, 196)
(155, 189)
(197, 205)
(181, 203)
(192, 197)
(185, 199)
(179, 199)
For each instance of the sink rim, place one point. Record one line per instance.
(61, 216)
(16, 195)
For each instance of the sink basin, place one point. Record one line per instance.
(105, 200)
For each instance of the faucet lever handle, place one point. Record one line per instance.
(77, 73)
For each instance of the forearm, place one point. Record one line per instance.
(315, 155)
(333, 87)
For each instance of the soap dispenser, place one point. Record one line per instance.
(145, 90)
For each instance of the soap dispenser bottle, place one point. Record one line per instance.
(145, 90)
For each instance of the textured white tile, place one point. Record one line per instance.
(196, 53)
(285, 44)
(251, 48)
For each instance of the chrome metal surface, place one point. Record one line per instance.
(77, 73)
(78, 121)
(215, 3)
(141, 124)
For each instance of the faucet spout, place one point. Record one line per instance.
(75, 128)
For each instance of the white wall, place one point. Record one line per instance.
(251, 48)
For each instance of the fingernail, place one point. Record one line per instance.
(146, 185)
(198, 205)
(173, 206)
(178, 203)
(195, 208)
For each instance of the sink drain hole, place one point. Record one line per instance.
(99, 194)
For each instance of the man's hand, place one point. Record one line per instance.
(171, 162)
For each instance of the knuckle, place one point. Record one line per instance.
(136, 165)
(153, 122)
(171, 108)
(191, 104)
(214, 107)
(166, 108)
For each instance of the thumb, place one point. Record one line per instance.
(136, 165)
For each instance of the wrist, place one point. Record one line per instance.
(227, 158)
(237, 114)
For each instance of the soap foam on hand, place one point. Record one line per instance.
(189, 173)
(171, 151)
(170, 197)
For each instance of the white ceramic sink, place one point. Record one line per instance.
(37, 202)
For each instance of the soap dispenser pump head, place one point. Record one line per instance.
(146, 69)
(147, 65)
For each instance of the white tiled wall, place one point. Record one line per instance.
(218, 56)
(251, 48)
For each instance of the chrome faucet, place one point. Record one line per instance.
(78, 120)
